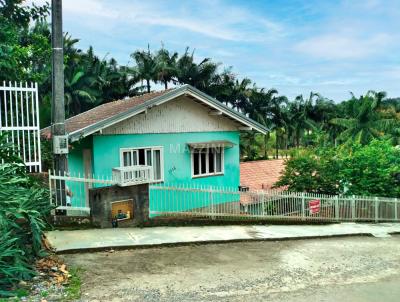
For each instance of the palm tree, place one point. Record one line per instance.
(266, 108)
(200, 75)
(279, 119)
(240, 95)
(145, 66)
(299, 115)
(79, 92)
(166, 70)
(367, 120)
(222, 86)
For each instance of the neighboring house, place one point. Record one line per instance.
(180, 136)
(261, 174)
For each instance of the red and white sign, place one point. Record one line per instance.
(315, 206)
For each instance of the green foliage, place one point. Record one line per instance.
(23, 208)
(25, 53)
(309, 171)
(73, 289)
(366, 120)
(352, 170)
(370, 169)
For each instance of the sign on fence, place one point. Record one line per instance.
(315, 206)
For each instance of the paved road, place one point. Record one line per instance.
(384, 291)
(336, 269)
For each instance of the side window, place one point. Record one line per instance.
(207, 161)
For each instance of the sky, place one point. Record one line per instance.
(333, 47)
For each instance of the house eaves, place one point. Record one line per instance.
(156, 101)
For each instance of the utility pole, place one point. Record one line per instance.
(60, 141)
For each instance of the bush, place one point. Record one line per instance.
(351, 170)
(370, 169)
(23, 208)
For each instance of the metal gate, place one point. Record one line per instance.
(19, 117)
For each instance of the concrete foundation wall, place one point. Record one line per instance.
(101, 199)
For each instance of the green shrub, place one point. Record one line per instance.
(351, 170)
(23, 208)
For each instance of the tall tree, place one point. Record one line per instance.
(166, 70)
(145, 66)
(367, 120)
(200, 75)
(299, 114)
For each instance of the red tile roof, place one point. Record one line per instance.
(261, 174)
(103, 112)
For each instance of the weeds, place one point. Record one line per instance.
(73, 290)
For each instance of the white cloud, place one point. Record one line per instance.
(334, 46)
(221, 21)
(89, 8)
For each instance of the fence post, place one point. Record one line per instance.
(263, 205)
(353, 207)
(212, 205)
(376, 209)
(53, 211)
(395, 209)
(303, 206)
(337, 207)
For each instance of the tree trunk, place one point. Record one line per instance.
(148, 85)
(297, 138)
(165, 85)
(266, 137)
(276, 147)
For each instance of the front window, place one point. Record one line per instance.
(144, 157)
(207, 161)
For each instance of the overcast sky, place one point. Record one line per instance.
(298, 46)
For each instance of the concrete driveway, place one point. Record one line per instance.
(332, 269)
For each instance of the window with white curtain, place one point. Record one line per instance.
(207, 161)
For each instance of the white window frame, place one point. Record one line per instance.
(152, 148)
(192, 152)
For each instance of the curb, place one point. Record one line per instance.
(188, 243)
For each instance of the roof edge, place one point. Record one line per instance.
(158, 100)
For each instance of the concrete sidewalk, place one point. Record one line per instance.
(97, 239)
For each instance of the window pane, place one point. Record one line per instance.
(203, 164)
(218, 159)
(157, 164)
(127, 160)
(141, 157)
(196, 163)
(135, 160)
(211, 159)
(148, 157)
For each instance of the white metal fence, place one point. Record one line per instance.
(19, 116)
(228, 203)
(71, 192)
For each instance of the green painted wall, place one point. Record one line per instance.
(177, 164)
(177, 161)
(76, 167)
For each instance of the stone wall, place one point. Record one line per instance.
(100, 200)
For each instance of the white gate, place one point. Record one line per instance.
(19, 117)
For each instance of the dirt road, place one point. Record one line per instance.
(345, 269)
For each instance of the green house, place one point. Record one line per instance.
(176, 136)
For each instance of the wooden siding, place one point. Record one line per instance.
(181, 115)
